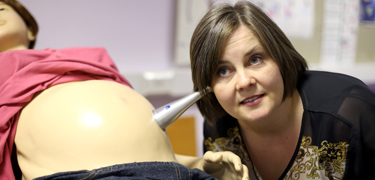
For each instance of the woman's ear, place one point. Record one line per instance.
(30, 35)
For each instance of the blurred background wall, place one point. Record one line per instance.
(147, 39)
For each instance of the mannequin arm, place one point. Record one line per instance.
(222, 165)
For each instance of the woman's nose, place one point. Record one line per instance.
(244, 80)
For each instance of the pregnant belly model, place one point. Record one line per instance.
(87, 125)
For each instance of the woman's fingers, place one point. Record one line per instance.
(225, 165)
(211, 157)
(233, 159)
(245, 173)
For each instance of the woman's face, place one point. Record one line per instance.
(247, 82)
(14, 33)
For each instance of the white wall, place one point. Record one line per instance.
(137, 34)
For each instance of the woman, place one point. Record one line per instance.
(72, 115)
(284, 121)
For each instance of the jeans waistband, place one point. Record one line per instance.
(132, 171)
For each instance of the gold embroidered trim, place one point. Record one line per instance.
(312, 162)
(231, 143)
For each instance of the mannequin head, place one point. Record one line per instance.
(18, 28)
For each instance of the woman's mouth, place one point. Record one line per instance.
(251, 99)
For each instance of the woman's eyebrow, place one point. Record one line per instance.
(221, 62)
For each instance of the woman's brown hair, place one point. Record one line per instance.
(29, 20)
(210, 36)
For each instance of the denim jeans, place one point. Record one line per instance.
(132, 171)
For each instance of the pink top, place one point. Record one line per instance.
(26, 72)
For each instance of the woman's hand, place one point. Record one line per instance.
(224, 166)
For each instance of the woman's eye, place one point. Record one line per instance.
(255, 60)
(223, 72)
